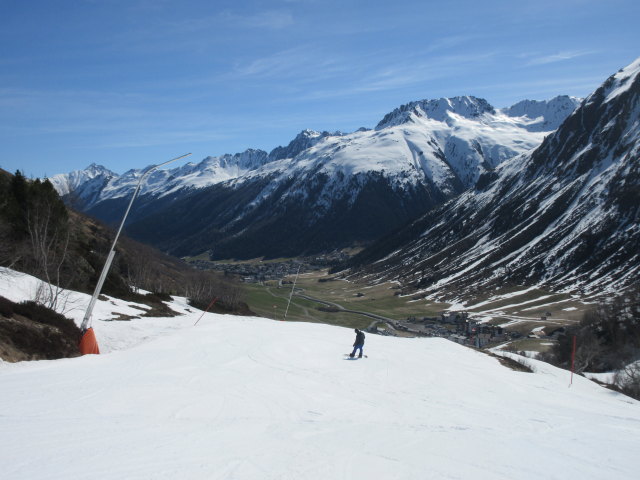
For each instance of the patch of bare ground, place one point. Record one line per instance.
(121, 317)
(510, 362)
(31, 332)
(158, 307)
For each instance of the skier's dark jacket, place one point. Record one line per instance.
(359, 338)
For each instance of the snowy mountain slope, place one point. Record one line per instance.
(97, 184)
(487, 135)
(84, 186)
(340, 189)
(209, 171)
(543, 116)
(266, 218)
(474, 137)
(305, 139)
(565, 216)
(439, 145)
(250, 398)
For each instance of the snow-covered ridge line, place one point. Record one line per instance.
(482, 133)
(622, 80)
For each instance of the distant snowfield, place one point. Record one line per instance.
(251, 398)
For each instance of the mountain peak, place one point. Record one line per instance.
(95, 169)
(250, 159)
(90, 179)
(95, 166)
(308, 133)
(439, 109)
(544, 115)
(307, 138)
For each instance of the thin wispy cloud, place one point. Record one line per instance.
(282, 63)
(448, 42)
(149, 139)
(507, 93)
(557, 57)
(268, 19)
(191, 33)
(403, 73)
(298, 63)
(304, 71)
(565, 83)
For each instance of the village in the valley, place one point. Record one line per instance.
(457, 326)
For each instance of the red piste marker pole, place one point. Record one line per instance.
(210, 305)
(573, 358)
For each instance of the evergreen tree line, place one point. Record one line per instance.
(35, 233)
(39, 235)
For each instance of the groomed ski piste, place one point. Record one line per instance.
(251, 398)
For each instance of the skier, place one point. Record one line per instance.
(358, 344)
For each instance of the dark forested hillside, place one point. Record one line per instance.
(223, 221)
(39, 235)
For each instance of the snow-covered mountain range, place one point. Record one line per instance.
(565, 216)
(441, 126)
(323, 190)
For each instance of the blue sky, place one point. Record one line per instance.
(132, 83)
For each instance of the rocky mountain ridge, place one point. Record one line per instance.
(324, 190)
(565, 216)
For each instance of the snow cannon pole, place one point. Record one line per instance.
(291, 294)
(86, 321)
(573, 358)
(210, 305)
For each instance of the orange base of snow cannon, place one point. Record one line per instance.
(89, 344)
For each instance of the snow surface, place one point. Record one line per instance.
(251, 398)
(623, 79)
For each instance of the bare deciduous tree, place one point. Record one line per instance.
(628, 380)
(202, 287)
(587, 351)
(47, 226)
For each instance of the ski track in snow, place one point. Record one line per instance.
(251, 398)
